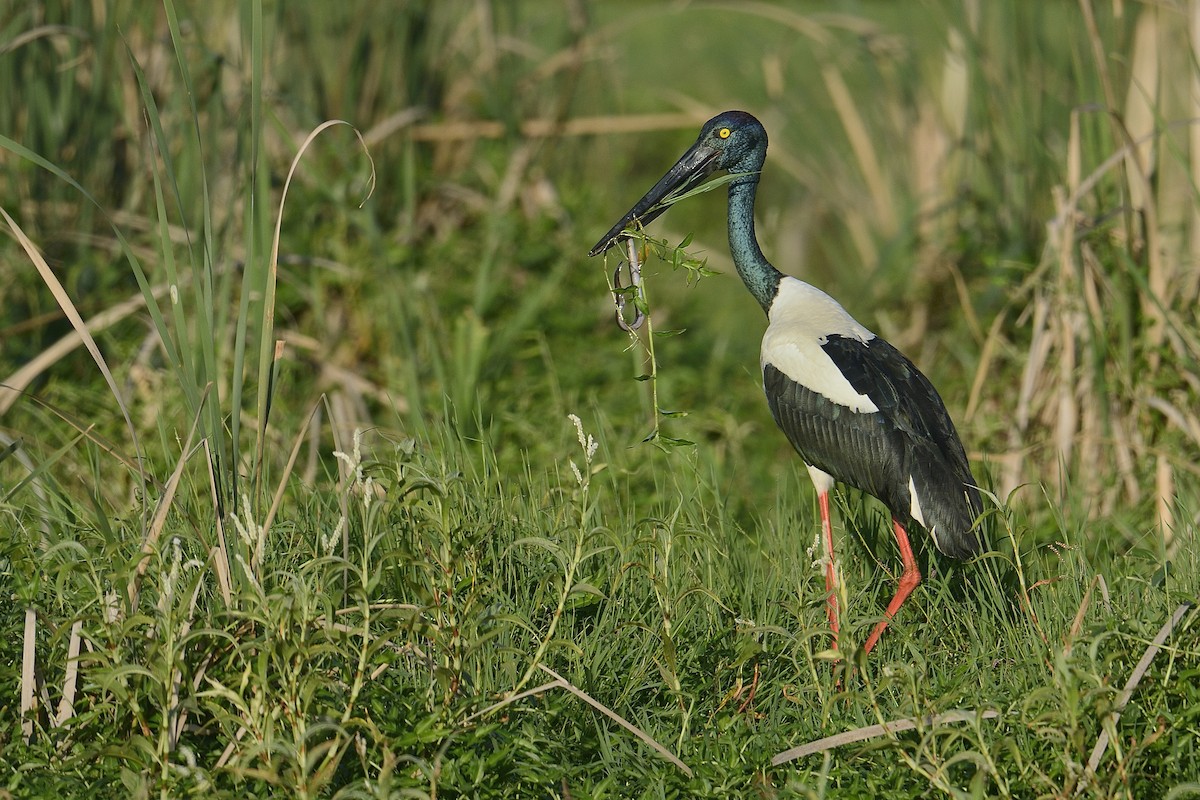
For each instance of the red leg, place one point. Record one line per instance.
(830, 575)
(908, 581)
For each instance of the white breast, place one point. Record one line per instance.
(801, 318)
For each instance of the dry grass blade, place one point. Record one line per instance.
(392, 124)
(41, 32)
(518, 696)
(268, 316)
(12, 386)
(861, 143)
(287, 470)
(160, 513)
(467, 130)
(339, 428)
(318, 353)
(802, 23)
(28, 664)
(220, 551)
(1186, 423)
(230, 748)
(1077, 623)
(872, 731)
(66, 706)
(72, 314)
(272, 374)
(636, 731)
(1164, 501)
(1134, 679)
(1114, 161)
(88, 431)
(1143, 107)
(984, 371)
(1100, 60)
(1191, 285)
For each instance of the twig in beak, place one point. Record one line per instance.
(635, 284)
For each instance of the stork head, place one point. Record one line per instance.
(733, 141)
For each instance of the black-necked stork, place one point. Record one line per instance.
(854, 408)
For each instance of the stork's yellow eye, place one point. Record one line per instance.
(724, 133)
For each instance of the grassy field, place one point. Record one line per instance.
(324, 467)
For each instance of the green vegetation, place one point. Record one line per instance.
(344, 492)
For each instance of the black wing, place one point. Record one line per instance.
(860, 449)
(935, 455)
(911, 435)
(898, 389)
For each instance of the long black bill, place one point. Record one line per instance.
(689, 171)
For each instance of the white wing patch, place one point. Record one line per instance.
(802, 317)
(915, 508)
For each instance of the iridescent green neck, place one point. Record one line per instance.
(760, 277)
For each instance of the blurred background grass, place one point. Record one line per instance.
(918, 156)
(1007, 191)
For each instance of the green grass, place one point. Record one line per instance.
(329, 572)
